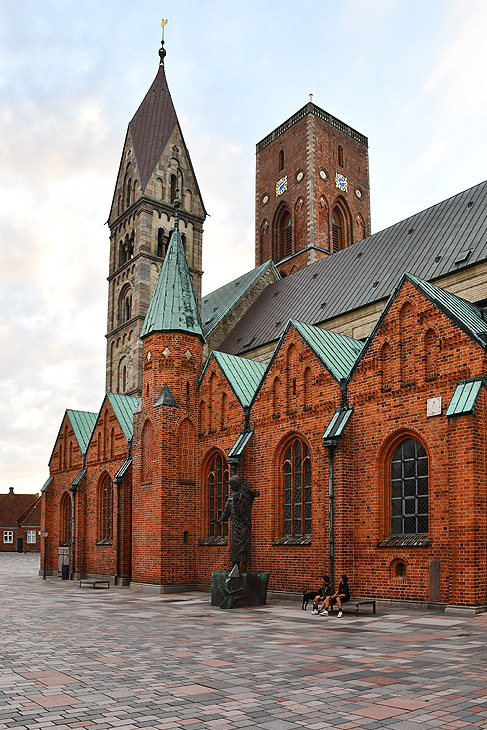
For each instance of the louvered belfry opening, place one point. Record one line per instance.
(285, 235)
(337, 229)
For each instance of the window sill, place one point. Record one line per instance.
(412, 541)
(213, 541)
(104, 542)
(293, 540)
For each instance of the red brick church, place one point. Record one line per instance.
(344, 377)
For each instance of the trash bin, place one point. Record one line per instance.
(65, 572)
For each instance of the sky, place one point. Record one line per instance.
(411, 75)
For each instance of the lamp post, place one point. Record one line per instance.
(45, 533)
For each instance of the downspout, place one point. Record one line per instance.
(118, 482)
(331, 539)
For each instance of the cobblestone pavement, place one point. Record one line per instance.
(77, 658)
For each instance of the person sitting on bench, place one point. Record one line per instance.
(325, 591)
(341, 596)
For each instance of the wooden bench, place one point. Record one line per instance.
(363, 602)
(95, 583)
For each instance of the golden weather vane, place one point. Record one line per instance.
(163, 25)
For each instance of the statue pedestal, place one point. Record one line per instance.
(249, 589)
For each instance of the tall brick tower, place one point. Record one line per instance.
(312, 190)
(155, 162)
(164, 496)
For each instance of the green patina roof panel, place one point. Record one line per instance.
(240, 444)
(46, 484)
(337, 352)
(339, 420)
(465, 397)
(243, 375)
(218, 303)
(173, 307)
(123, 407)
(83, 423)
(468, 316)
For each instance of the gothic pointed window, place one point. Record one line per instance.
(161, 244)
(409, 489)
(284, 235)
(174, 184)
(296, 474)
(65, 519)
(217, 494)
(105, 506)
(337, 229)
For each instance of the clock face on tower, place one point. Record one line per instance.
(341, 182)
(281, 185)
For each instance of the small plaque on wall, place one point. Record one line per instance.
(433, 407)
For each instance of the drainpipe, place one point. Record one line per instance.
(331, 446)
(118, 481)
(73, 490)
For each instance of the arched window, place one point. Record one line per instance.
(186, 450)
(340, 155)
(125, 304)
(147, 451)
(337, 229)
(296, 470)
(284, 235)
(174, 185)
(159, 189)
(431, 354)
(122, 253)
(161, 243)
(217, 494)
(122, 376)
(409, 489)
(188, 200)
(308, 389)
(281, 160)
(65, 519)
(105, 497)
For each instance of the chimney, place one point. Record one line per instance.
(10, 490)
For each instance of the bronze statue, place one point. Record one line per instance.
(239, 506)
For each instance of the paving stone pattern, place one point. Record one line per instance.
(78, 658)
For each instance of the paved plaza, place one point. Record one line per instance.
(77, 658)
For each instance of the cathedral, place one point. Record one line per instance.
(345, 377)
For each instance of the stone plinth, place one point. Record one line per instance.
(249, 589)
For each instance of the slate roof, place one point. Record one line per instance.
(337, 352)
(430, 245)
(83, 423)
(218, 303)
(152, 125)
(123, 407)
(173, 307)
(243, 375)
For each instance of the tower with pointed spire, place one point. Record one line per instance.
(155, 162)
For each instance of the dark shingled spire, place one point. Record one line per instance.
(153, 123)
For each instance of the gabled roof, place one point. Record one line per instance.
(338, 353)
(31, 517)
(13, 506)
(464, 314)
(123, 407)
(172, 307)
(218, 303)
(151, 125)
(83, 423)
(243, 375)
(441, 240)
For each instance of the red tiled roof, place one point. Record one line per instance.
(13, 506)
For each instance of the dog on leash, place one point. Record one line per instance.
(309, 596)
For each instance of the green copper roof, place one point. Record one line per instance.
(465, 397)
(173, 306)
(218, 303)
(243, 375)
(240, 444)
(123, 407)
(338, 353)
(336, 427)
(83, 423)
(465, 314)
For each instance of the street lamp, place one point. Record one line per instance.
(45, 533)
